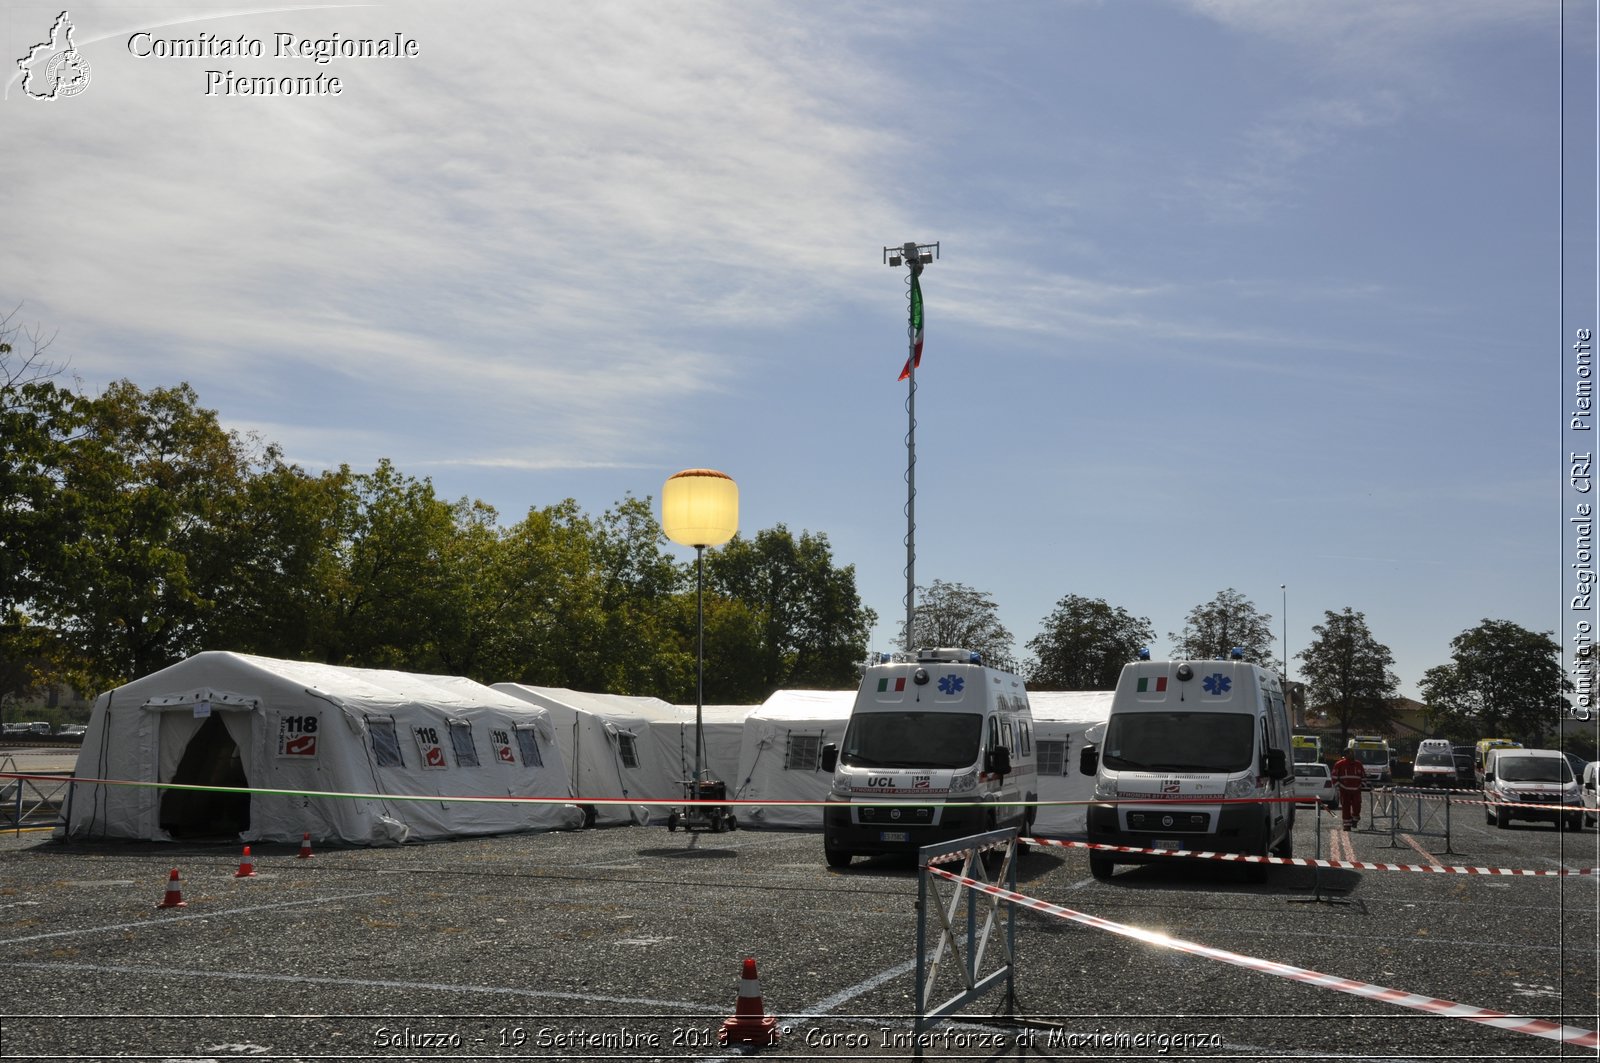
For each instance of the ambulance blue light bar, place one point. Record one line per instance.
(1237, 653)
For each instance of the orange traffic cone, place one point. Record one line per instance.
(750, 1025)
(247, 865)
(174, 897)
(305, 846)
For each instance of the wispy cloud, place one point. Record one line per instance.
(620, 177)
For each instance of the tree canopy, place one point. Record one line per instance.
(1503, 681)
(1348, 670)
(1083, 644)
(1213, 629)
(958, 616)
(137, 531)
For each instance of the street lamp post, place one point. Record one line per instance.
(699, 508)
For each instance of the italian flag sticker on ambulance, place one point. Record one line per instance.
(1156, 685)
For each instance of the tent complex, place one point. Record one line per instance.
(400, 750)
(418, 757)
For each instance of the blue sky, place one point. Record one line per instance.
(1232, 293)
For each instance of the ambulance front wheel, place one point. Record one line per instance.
(1101, 867)
(836, 857)
(672, 822)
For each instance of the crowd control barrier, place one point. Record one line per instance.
(967, 943)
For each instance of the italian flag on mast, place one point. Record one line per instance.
(916, 328)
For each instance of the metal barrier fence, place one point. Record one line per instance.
(971, 965)
(33, 802)
(1380, 810)
(1420, 814)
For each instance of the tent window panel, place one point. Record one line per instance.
(528, 743)
(1052, 756)
(628, 750)
(461, 742)
(385, 745)
(804, 753)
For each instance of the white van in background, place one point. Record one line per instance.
(1514, 779)
(937, 748)
(1182, 730)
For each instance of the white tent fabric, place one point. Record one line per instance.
(1061, 722)
(779, 757)
(233, 720)
(618, 746)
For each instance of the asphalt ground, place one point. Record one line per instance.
(628, 943)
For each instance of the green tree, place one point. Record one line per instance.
(955, 616)
(388, 593)
(1213, 629)
(1348, 670)
(36, 417)
(148, 485)
(1503, 681)
(278, 560)
(814, 628)
(1084, 643)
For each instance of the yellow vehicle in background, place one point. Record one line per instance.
(1480, 753)
(1306, 749)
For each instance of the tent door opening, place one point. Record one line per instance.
(210, 759)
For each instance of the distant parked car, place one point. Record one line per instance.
(73, 732)
(1314, 783)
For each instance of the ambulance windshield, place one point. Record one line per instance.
(1180, 741)
(912, 740)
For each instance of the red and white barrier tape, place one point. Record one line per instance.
(1500, 1020)
(1241, 858)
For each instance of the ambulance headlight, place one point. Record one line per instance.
(841, 784)
(1570, 795)
(1105, 788)
(1243, 786)
(964, 783)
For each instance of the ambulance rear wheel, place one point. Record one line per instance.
(672, 822)
(1101, 867)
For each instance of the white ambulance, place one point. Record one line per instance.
(1195, 756)
(937, 748)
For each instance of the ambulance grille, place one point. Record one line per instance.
(915, 816)
(1187, 822)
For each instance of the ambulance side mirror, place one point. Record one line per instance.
(1000, 761)
(1088, 760)
(1277, 767)
(830, 757)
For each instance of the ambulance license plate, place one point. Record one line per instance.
(1166, 843)
(894, 836)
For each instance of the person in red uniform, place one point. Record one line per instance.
(1348, 775)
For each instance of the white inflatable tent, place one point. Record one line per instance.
(780, 759)
(641, 748)
(1061, 720)
(232, 720)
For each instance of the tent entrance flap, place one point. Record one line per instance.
(210, 758)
